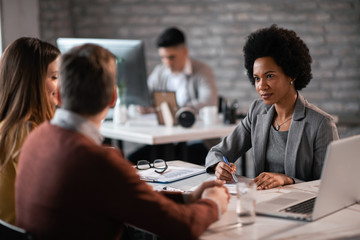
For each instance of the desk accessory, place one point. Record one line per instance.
(338, 188)
(169, 98)
(209, 115)
(166, 114)
(185, 116)
(229, 110)
(227, 162)
(170, 175)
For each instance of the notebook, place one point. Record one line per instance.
(339, 186)
(170, 175)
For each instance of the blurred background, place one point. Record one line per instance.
(216, 31)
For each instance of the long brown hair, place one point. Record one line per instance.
(24, 102)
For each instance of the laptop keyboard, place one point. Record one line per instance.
(303, 207)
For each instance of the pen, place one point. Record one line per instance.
(227, 162)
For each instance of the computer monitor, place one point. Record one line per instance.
(130, 63)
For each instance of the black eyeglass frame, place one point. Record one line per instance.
(151, 165)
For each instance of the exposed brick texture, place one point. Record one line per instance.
(216, 32)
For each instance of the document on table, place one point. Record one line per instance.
(170, 175)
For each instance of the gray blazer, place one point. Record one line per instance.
(310, 132)
(201, 84)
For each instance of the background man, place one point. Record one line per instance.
(192, 81)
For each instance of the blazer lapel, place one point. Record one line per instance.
(294, 137)
(261, 137)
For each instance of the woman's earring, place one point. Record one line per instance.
(291, 82)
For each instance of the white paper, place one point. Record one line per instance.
(170, 175)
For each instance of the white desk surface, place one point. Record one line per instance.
(339, 225)
(145, 130)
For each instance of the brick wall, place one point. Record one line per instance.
(216, 31)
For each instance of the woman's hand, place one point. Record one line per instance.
(224, 171)
(267, 180)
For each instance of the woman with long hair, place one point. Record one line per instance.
(28, 82)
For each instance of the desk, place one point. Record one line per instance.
(342, 224)
(146, 130)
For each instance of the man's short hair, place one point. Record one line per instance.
(171, 37)
(87, 78)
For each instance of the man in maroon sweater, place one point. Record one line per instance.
(70, 187)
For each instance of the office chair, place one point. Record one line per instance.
(8, 231)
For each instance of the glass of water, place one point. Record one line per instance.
(245, 202)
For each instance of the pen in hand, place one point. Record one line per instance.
(227, 162)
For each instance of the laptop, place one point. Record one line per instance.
(339, 186)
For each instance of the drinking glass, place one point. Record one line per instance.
(246, 202)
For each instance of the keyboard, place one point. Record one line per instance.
(303, 207)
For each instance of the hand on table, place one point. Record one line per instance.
(224, 171)
(220, 194)
(196, 195)
(267, 180)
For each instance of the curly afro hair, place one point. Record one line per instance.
(287, 50)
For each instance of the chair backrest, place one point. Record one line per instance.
(8, 231)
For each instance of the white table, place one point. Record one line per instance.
(145, 129)
(342, 224)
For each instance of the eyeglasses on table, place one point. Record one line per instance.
(159, 165)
